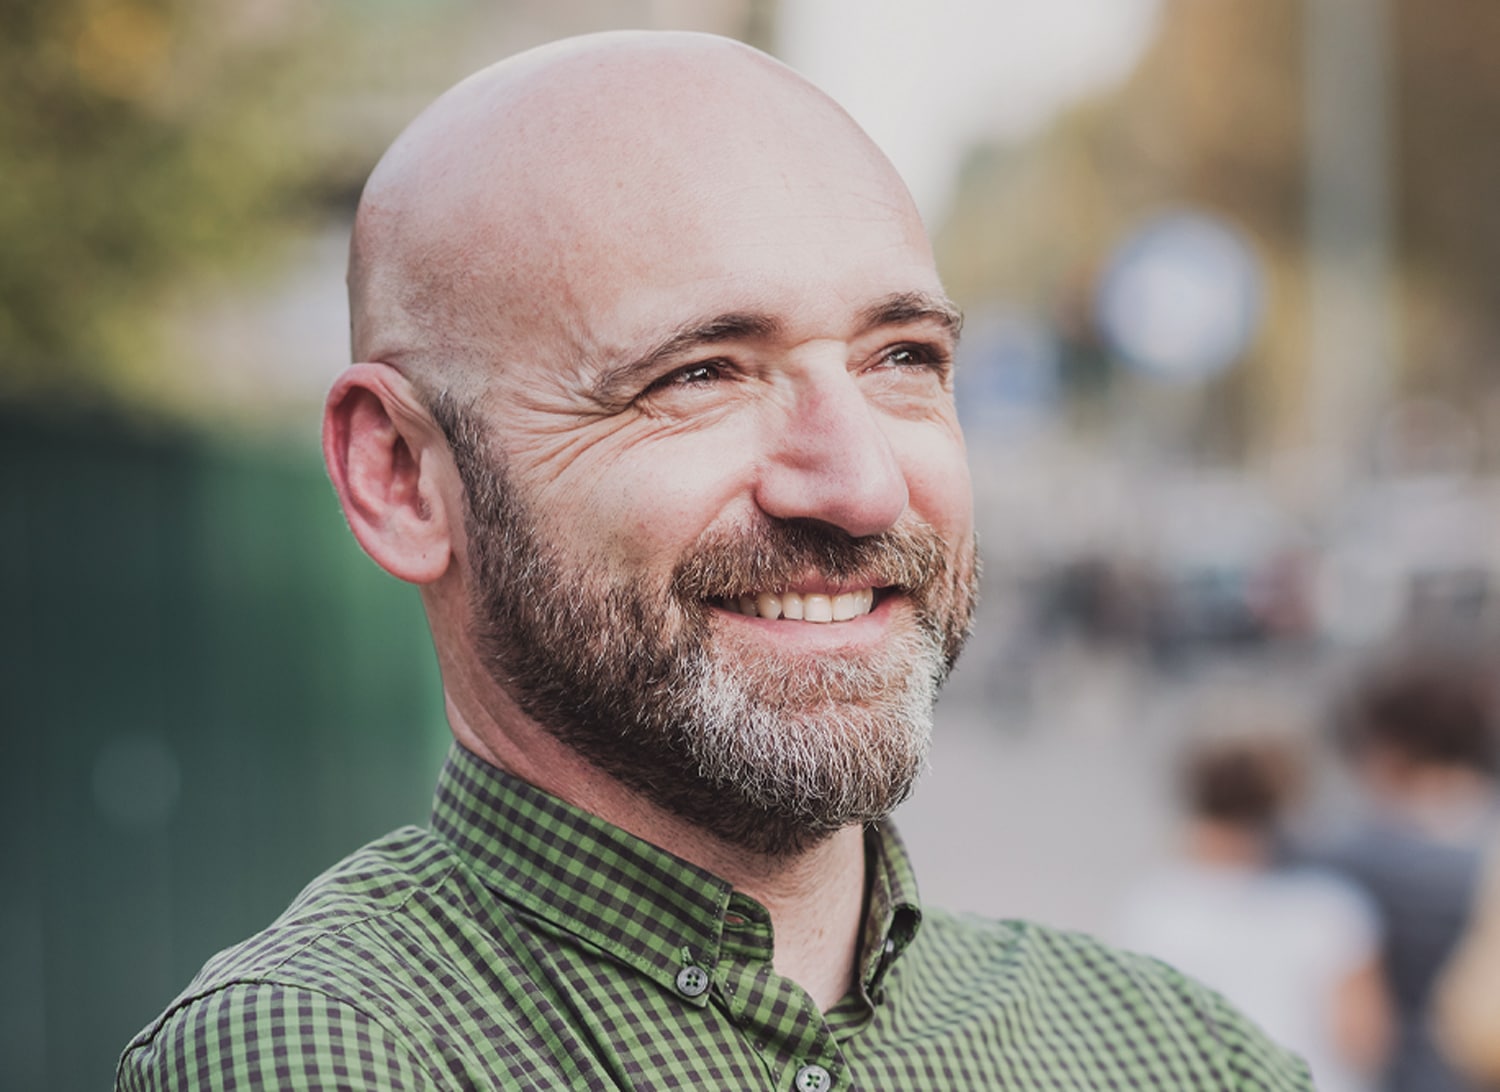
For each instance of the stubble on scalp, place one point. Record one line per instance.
(771, 756)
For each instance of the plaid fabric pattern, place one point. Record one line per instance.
(522, 944)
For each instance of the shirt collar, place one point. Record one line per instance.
(893, 912)
(646, 907)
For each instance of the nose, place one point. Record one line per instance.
(829, 459)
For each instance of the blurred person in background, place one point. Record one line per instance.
(1297, 948)
(1419, 733)
(1467, 997)
(654, 402)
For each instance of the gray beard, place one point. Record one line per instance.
(767, 753)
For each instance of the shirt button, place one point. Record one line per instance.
(692, 981)
(813, 1078)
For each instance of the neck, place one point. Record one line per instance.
(1226, 845)
(815, 897)
(816, 902)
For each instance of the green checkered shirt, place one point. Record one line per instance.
(522, 943)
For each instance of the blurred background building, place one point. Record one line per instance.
(1232, 277)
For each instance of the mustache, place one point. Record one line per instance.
(774, 555)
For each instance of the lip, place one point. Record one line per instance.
(823, 587)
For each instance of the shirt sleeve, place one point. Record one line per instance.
(262, 1036)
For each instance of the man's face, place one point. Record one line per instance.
(768, 753)
(734, 408)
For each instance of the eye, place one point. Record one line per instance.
(916, 356)
(700, 374)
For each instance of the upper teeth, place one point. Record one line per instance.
(807, 608)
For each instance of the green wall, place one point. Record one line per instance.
(207, 696)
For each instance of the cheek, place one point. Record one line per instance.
(937, 476)
(643, 508)
(644, 512)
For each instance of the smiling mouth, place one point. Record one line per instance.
(803, 607)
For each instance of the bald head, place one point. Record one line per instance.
(532, 192)
(627, 307)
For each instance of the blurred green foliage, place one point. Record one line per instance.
(140, 140)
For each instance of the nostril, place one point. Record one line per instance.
(859, 493)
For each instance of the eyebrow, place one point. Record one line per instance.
(905, 308)
(900, 309)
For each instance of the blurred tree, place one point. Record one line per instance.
(147, 143)
(138, 139)
(1215, 116)
(1448, 113)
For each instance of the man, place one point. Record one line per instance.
(655, 406)
(1419, 732)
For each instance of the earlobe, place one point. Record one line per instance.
(384, 456)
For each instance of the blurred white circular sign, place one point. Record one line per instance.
(1181, 298)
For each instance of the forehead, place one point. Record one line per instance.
(570, 213)
(813, 258)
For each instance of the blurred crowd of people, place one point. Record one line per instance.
(1374, 948)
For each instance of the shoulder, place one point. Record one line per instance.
(1321, 890)
(1108, 1008)
(252, 1035)
(366, 900)
(323, 990)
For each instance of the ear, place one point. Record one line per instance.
(387, 458)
